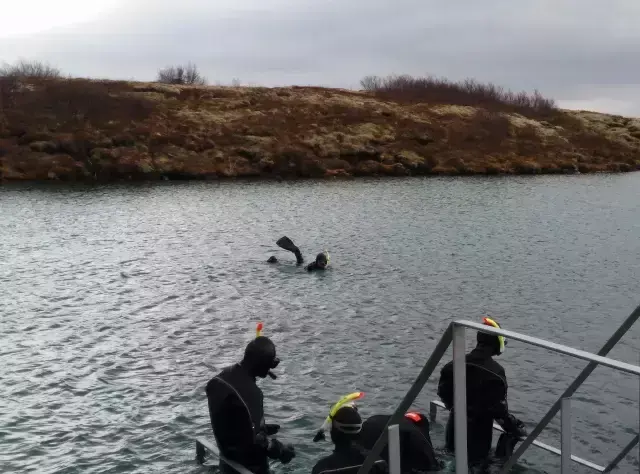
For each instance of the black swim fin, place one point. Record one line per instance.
(287, 244)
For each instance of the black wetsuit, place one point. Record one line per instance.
(486, 402)
(313, 266)
(416, 449)
(346, 459)
(237, 418)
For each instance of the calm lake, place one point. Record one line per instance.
(118, 303)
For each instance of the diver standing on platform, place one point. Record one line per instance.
(486, 400)
(237, 412)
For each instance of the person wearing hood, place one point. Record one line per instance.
(486, 400)
(320, 263)
(416, 449)
(348, 456)
(236, 411)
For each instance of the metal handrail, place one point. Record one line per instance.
(203, 445)
(435, 404)
(455, 333)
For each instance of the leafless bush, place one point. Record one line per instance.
(188, 75)
(468, 92)
(29, 69)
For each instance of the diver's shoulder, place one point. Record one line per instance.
(448, 367)
(495, 366)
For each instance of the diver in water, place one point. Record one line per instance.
(321, 262)
(237, 412)
(486, 401)
(416, 449)
(348, 456)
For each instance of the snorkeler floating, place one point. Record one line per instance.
(321, 262)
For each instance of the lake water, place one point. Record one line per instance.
(119, 302)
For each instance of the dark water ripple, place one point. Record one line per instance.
(120, 302)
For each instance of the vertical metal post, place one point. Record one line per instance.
(565, 435)
(460, 399)
(394, 449)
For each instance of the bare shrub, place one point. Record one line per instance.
(188, 75)
(435, 90)
(29, 69)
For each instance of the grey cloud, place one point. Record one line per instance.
(570, 49)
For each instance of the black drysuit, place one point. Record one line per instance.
(486, 402)
(237, 418)
(346, 459)
(416, 449)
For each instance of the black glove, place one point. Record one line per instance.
(514, 427)
(288, 454)
(271, 428)
(281, 452)
(380, 467)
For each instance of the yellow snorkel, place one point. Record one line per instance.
(490, 322)
(347, 400)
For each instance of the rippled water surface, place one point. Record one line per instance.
(118, 303)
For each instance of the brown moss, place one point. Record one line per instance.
(109, 130)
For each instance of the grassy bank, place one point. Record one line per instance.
(78, 129)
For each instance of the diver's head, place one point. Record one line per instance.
(260, 357)
(419, 421)
(346, 425)
(321, 260)
(496, 344)
(272, 259)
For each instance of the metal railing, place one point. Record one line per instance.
(203, 445)
(433, 410)
(455, 333)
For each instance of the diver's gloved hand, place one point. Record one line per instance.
(380, 467)
(515, 427)
(282, 452)
(271, 428)
(288, 454)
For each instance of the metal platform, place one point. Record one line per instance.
(455, 334)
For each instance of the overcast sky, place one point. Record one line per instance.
(584, 53)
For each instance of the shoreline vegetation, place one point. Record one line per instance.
(54, 128)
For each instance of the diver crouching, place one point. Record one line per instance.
(416, 449)
(348, 456)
